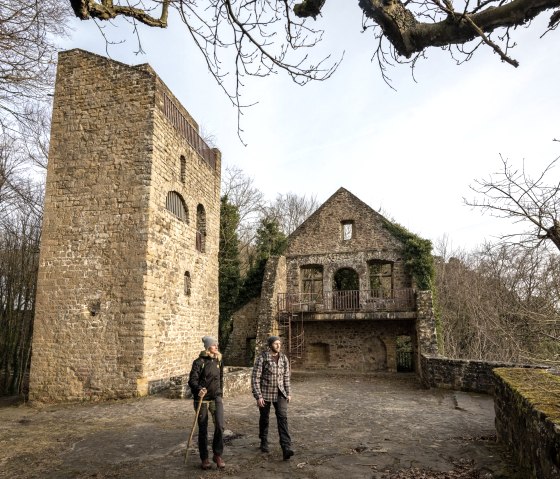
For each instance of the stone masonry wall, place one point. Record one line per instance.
(318, 241)
(461, 374)
(112, 317)
(332, 262)
(244, 328)
(177, 319)
(425, 326)
(88, 330)
(353, 345)
(322, 232)
(528, 419)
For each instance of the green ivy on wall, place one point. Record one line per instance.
(419, 263)
(418, 258)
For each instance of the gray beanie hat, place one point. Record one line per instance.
(209, 341)
(272, 339)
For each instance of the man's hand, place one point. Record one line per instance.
(289, 398)
(260, 402)
(202, 393)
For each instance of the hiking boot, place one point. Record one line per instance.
(206, 464)
(287, 453)
(264, 446)
(219, 461)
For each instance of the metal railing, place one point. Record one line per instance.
(335, 301)
(187, 131)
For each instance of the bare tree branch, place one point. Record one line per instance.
(514, 194)
(27, 57)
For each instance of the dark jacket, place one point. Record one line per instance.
(207, 372)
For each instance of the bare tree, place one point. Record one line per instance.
(264, 34)
(21, 202)
(500, 303)
(20, 226)
(242, 193)
(261, 35)
(19, 260)
(290, 210)
(27, 57)
(534, 202)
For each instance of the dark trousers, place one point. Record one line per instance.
(216, 408)
(281, 410)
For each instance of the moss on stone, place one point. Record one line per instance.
(539, 387)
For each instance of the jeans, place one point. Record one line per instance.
(281, 410)
(216, 408)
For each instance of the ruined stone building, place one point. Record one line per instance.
(341, 296)
(128, 275)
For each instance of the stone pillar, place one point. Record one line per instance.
(274, 282)
(391, 349)
(425, 325)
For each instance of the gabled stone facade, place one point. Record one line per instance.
(128, 275)
(344, 298)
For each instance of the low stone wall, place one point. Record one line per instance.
(461, 374)
(236, 381)
(527, 404)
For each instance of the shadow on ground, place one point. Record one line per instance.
(377, 426)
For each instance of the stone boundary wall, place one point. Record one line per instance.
(236, 381)
(462, 374)
(527, 404)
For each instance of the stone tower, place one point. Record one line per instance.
(128, 275)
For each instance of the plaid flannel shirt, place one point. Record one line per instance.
(268, 377)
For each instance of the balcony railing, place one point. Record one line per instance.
(356, 301)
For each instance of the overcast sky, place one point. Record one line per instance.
(411, 152)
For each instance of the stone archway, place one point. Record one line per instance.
(375, 355)
(346, 279)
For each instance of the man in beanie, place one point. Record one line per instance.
(270, 382)
(206, 382)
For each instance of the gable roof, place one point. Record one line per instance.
(321, 232)
(341, 191)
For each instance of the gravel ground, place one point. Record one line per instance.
(376, 426)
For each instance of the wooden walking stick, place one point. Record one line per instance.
(194, 425)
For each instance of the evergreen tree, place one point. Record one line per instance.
(271, 241)
(229, 274)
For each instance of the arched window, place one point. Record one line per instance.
(346, 279)
(183, 169)
(200, 229)
(187, 284)
(177, 206)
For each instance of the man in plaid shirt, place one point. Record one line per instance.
(270, 382)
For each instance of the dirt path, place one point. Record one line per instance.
(381, 426)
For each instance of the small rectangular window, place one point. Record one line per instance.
(347, 230)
